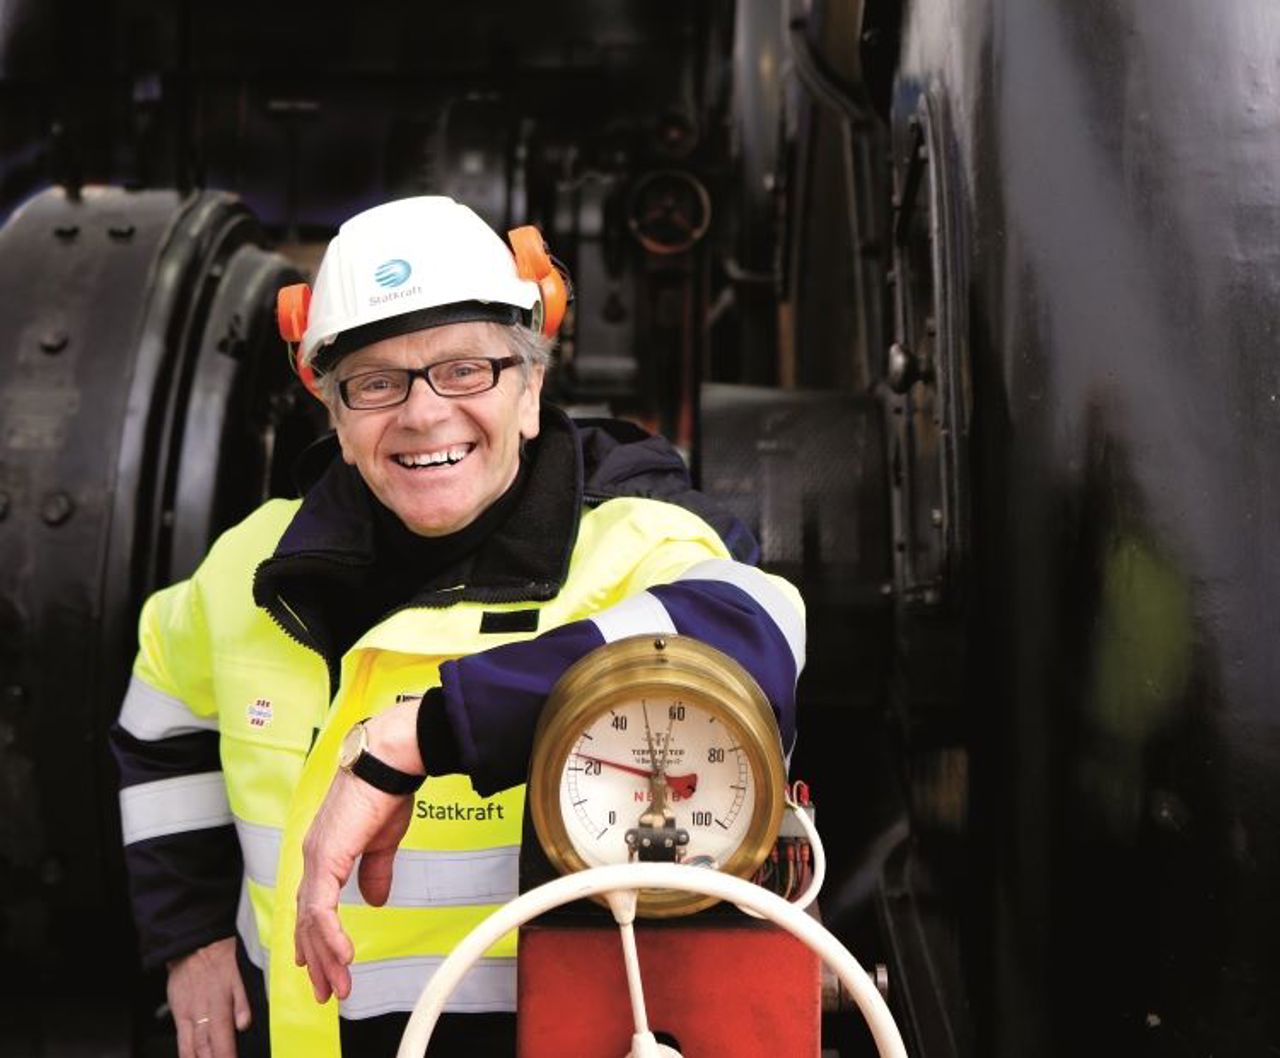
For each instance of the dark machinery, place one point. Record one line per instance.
(966, 307)
(147, 406)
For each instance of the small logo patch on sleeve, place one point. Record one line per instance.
(259, 712)
(509, 621)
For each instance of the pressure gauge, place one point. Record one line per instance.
(657, 748)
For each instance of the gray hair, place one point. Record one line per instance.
(533, 349)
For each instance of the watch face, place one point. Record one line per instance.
(352, 746)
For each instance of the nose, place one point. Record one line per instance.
(424, 407)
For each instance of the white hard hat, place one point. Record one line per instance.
(414, 263)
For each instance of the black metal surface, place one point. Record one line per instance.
(147, 404)
(803, 469)
(1081, 646)
(64, 273)
(1115, 164)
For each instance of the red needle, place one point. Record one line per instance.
(681, 785)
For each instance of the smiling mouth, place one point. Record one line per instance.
(444, 457)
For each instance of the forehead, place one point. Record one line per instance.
(419, 348)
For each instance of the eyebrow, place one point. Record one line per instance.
(380, 365)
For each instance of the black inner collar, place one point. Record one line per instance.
(325, 582)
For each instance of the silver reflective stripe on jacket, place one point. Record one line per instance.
(420, 878)
(641, 614)
(173, 806)
(766, 595)
(387, 985)
(443, 879)
(260, 849)
(150, 715)
(247, 927)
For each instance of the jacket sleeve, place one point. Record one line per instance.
(680, 585)
(180, 847)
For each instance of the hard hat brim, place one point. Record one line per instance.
(327, 356)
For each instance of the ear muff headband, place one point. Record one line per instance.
(293, 306)
(534, 263)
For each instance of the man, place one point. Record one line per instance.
(458, 546)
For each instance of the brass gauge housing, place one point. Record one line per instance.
(665, 719)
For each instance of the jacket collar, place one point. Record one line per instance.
(524, 559)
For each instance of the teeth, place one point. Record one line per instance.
(452, 455)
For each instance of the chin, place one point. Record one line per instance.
(435, 525)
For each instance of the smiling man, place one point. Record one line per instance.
(355, 677)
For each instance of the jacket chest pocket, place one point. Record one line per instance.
(272, 706)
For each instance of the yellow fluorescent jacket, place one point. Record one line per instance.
(206, 647)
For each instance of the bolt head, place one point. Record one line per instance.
(54, 341)
(56, 508)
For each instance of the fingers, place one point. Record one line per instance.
(353, 819)
(333, 953)
(220, 1031)
(319, 941)
(213, 1035)
(208, 1001)
(240, 1002)
(202, 1033)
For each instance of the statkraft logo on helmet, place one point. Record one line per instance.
(382, 299)
(392, 273)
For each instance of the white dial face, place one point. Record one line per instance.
(608, 780)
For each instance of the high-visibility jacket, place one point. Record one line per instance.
(216, 664)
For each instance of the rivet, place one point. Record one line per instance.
(54, 341)
(56, 508)
(659, 644)
(935, 516)
(121, 232)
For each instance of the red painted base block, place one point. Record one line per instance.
(742, 989)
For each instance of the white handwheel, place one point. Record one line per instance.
(632, 876)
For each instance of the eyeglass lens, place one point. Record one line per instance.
(449, 378)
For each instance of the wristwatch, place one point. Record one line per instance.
(354, 757)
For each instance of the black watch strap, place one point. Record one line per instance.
(383, 776)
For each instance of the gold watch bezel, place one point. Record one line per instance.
(658, 664)
(354, 742)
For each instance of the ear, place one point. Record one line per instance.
(530, 409)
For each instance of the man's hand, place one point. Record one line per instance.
(208, 1001)
(355, 821)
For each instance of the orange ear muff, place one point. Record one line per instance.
(293, 306)
(533, 262)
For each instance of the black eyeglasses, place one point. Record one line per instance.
(389, 386)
